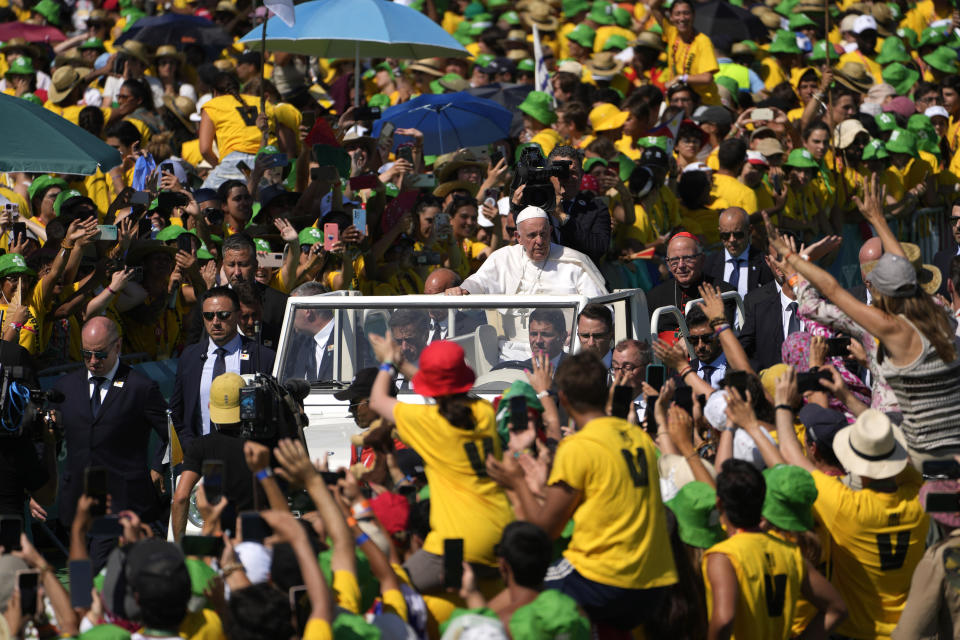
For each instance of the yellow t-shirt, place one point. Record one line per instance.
(728, 192)
(702, 222)
(290, 117)
(95, 187)
(71, 113)
(472, 249)
(317, 629)
(346, 591)
(190, 151)
(625, 146)
(236, 125)
(771, 72)
(691, 59)
(202, 625)
(620, 527)
(769, 576)
(910, 176)
(465, 502)
(30, 332)
(877, 540)
(653, 219)
(605, 32)
(15, 198)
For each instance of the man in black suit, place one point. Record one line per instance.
(108, 412)
(312, 346)
(224, 350)
(581, 220)
(685, 261)
(739, 264)
(547, 334)
(465, 321)
(942, 258)
(771, 314)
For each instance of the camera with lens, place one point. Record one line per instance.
(24, 410)
(270, 411)
(534, 173)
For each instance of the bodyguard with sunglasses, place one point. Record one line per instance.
(223, 350)
(108, 413)
(739, 264)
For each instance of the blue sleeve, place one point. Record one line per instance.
(756, 84)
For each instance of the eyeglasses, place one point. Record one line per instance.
(738, 235)
(615, 368)
(954, 220)
(705, 339)
(87, 354)
(223, 315)
(592, 336)
(685, 259)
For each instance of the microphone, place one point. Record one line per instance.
(298, 388)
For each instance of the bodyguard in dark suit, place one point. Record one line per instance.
(312, 346)
(739, 264)
(108, 412)
(770, 317)
(223, 350)
(582, 221)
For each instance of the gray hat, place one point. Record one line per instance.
(894, 277)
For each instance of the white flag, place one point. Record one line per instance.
(283, 9)
(541, 77)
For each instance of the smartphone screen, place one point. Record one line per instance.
(330, 478)
(942, 503)
(622, 399)
(19, 231)
(810, 380)
(518, 413)
(309, 119)
(185, 242)
(452, 563)
(270, 260)
(385, 140)
(107, 526)
(405, 152)
(331, 235)
(737, 380)
(656, 375)
(107, 232)
(27, 582)
(213, 480)
(10, 529)
(202, 546)
(683, 398)
(837, 347)
(95, 486)
(360, 220)
(253, 527)
(941, 468)
(81, 584)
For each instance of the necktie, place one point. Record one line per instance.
(793, 324)
(735, 274)
(220, 364)
(437, 333)
(707, 371)
(95, 398)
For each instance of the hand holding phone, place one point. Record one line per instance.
(95, 486)
(518, 414)
(622, 399)
(453, 563)
(331, 235)
(253, 527)
(81, 584)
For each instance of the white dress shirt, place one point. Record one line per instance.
(105, 385)
(785, 313)
(232, 358)
(320, 338)
(442, 324)
(744, 270)
(720, 370)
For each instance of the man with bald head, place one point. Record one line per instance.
(739, 264)
(870, 252)
(685, 261)
(108, 413)
(466, 321)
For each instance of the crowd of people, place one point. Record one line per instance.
(788, 467)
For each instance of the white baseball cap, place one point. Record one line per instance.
(864, 23)
(936, 110)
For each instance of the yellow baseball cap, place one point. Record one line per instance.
(225, 398)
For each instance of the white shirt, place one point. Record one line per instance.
(232, 358)
(640, 408)
(720, 370)
(785, 313)
(434, 324)
(320, 338)
(744, 270)
(105, 385)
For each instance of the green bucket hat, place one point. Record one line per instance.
(520, 388)
(203, 253)
(526, 64)
(875, 150)
(105, 632)
(590, 163)
(170, 233)
(695, 507)
(35, 99)
(601, 13)
(893, 50)
(349, 626)
(819, 51)
(310, 235)
(656, 28)
(12, 264)
(20, 66)
(483, 60)
(552, 615)
(799, 21)
(920, 122)
(381, 100)
(539, 106)
(885, 121)
(902, 141)
(622, 17)
(44, 182)
(473, 9)
(730, 85)
(65, 196)
(784, 42)
(801, 159)
(573, 7)
(785, 8)
(900, 77)
(788, 502)
(616, 41)
(451, 81)
(660, 142)
(928, 141)
(496, 4)
(627, 165)
(268, 150)
(583, 35)
(931, 37)
(261, 244)
(92, 43)
(49, 10)
(510, 17)
(908, 34)
(943, 59)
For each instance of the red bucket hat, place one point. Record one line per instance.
(442, 370)
(392, 510)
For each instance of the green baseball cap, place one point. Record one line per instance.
(695, 507)
(571, 8)
(65, 197)
(310, 235)
(902, 141)
(44, 182)
(170, 233)
(893, 50)
(92, 43)
(942, 59)
(660, 142)
(784, 42)
(616, 41)
(801, 159)
(875, 150)
(20, 66)
(788, 502)
(583, 35)
(552, 615)
(885, 121)
(539, 106)
(900, 77)
(12, 264)
(601, 13)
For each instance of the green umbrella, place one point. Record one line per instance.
(37, 140)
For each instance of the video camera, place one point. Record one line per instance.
(534, 173)
(270, 411)
(23, 410)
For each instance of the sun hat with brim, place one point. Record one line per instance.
(12, 264)
(784, 42)
(885, 121)
(854, 75)
(50, 10)
(182, 108)
(92, 43)
(770, 147)
(583, 35)
(63, 81)
(698, 522)
(169, 51)
(621, 17)
(511, 17)
(920, 122)
(875, 151)
(892, 50)
(32, 98)
(872, 446)
(444, 189)
(617, 42)
(649, 40)
(902, 141)
(928, 141)
(943, 59)
(675, 470)
(799, 21)
(20, 66)
(909, 36)
(170, 233)
(526, 64)
(431, 66)
(449, 82)
(443, 370)
(44, 182)
(952, 486)
(604, 65)
(847, 131)
(900, 77)
(928, 276)
(540, 14)
(225, 398)
(447, 165)
(135, 49)
(66, 198)
(931, 37)
(539, 106)
(788, 502)
(573, 7)
(601, 13)
(894, 276)
(660, 142)
(552, 615)
(310, 235)
(801, 159)
(606, 117)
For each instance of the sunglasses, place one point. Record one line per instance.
(705, 339)
(223, 315)
(87, 354)
(738, 235)
(954, 220)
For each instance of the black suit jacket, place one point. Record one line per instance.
(274, 305)
(185, 401)
(117, 438)
(303, 362)
(762, 332)
(669, 293)
(588, 228)
(942, 260)
(758, 273)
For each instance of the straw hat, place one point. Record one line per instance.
(649, 40)
(432, 66)
(136, 50)
(182, 107)
(928, 276)
(604, 65)
(444, 189)
(855, 76)
(21, 44)
(446, 166)
(847, 131)
(872, 446)
(540, 14)
(225, 64)
(169, 51)
(63, 82)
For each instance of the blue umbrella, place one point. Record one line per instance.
(450, 121)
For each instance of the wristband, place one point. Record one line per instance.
(16, 325)
(543, 394)
(361, 539)
(721, 328)
(793, 280)
(785, 407)
(717, 322)
(263, 474)
(67, 247)
(787, 255)
(408, 479)
(685, 371)
(351, 521)
(229, 568)
(691, 455)
(361, 510)
(111, 290)
(389, 367)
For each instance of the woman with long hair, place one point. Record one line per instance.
(454, 434)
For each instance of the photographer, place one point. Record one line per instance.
(581, 219)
